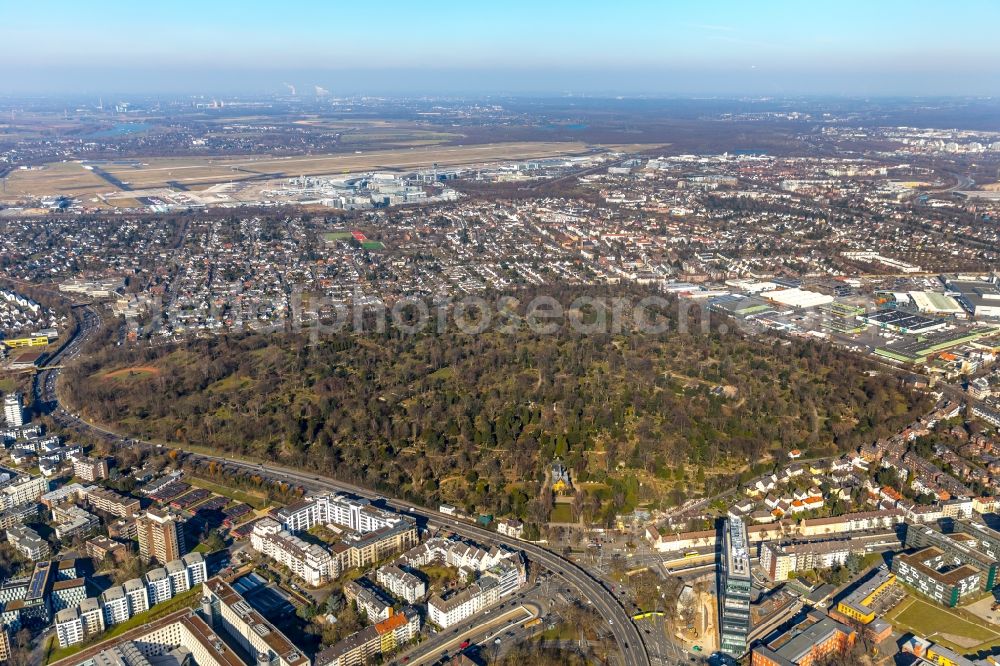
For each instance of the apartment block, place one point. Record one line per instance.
(27, 542)
(111, 502)
(778, 560)
(363, 647)
(401, 583)
(161, 536)
(90, 469)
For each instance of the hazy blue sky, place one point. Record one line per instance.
(618, 46)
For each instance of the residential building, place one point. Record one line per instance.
(370, 598)
(161, 536)
(138, 596)
(90, 469)
(364, 646)
(101, 546)
(779, 560)
(180, 577)
(111, 502)
(401, 583)
(72, 520)
(158, 586)
(181, 634)
(27, 542)
(308, 561)
(495, 583)
(69, 627)
(115, 605)
(511, 527)
(197, 570)
(13, 409)
(22, 489)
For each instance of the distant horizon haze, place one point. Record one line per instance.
(720, 47)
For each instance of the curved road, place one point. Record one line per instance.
(593, 590)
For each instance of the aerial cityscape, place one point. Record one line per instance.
(500, 334)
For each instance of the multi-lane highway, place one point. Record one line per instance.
(592, 590)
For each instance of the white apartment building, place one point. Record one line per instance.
(352, 512)
(69, 627)
(180, 578)
(138, 597)
(158, 586)
(22, 489)
(309, 562)
(13, 409)
(194, 564)
(780, 560)
(115, 605)
(400, 583)
(27, 542)
(495, 583)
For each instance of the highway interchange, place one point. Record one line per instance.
(591, 589)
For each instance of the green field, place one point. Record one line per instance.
(932, 621)
(256, 501)
(373, 245)
(337, 235)
(562, 513)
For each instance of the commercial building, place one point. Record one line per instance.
(68, 593)
(232, 616)
(933, 574)
(859, 604)
(987, 538)
(13, 409)
(161, 536)
(957, 548)
(981, 299)
(809, 642)
(37, 599)
(181, 634)
(734, 602)
(779, 560)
